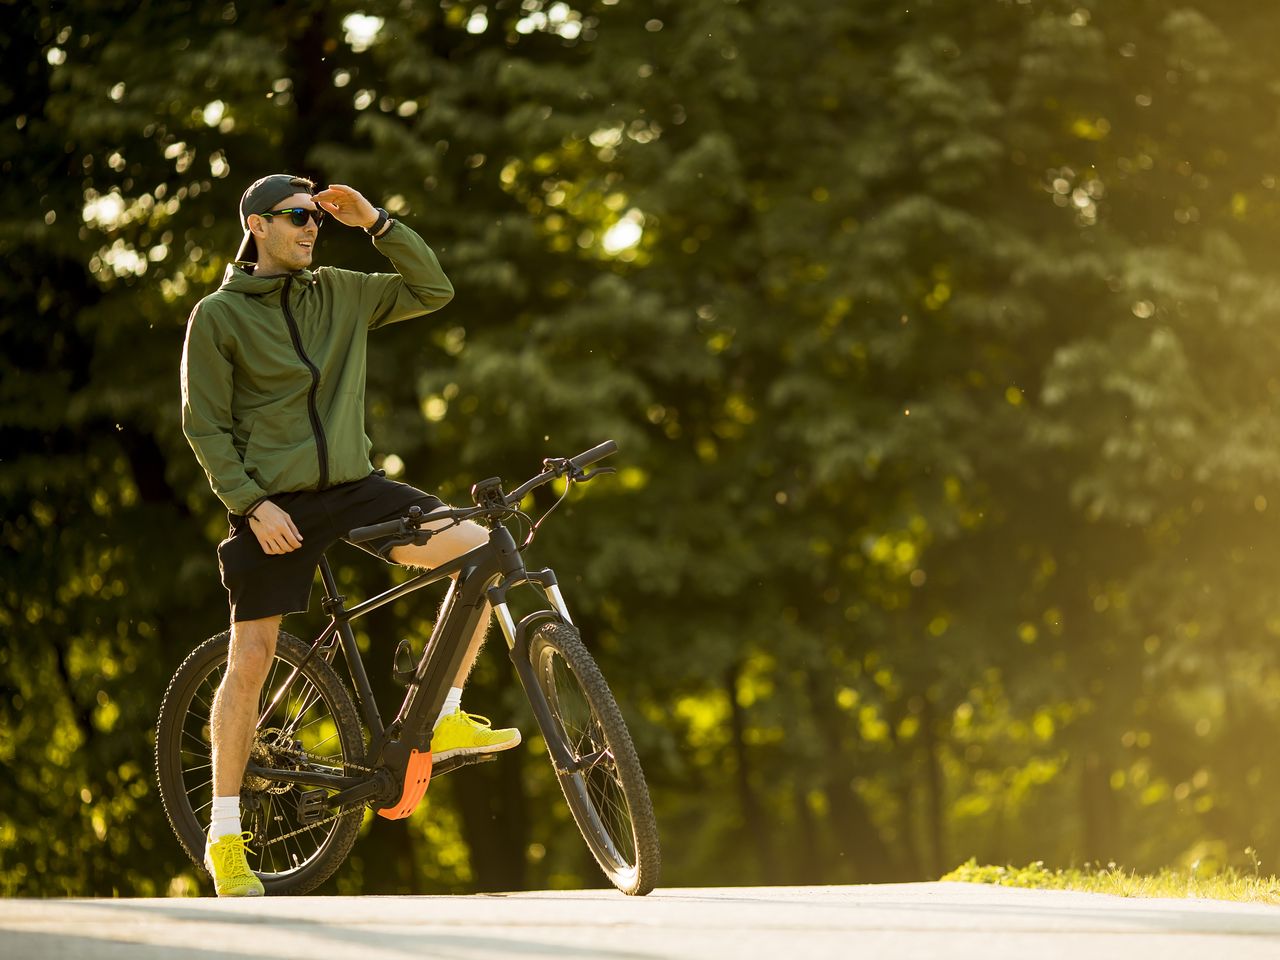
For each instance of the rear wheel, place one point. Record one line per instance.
(312, 725)
(606, 793)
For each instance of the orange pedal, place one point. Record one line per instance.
(417, 776)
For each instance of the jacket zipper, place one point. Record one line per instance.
(322, 447)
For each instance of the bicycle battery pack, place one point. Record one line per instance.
(417, 774)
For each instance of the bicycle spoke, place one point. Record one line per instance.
(262, 836)
(206, 695)
(268, 699)
(200, 740)
(604, 835)
(316, 749)
(317, 745)
(296, 859)
(619, 814)
(306, 698)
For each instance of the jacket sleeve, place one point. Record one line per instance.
(206, 415)
(418, 286)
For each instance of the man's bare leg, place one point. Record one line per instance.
(232, 721)
(235, 706)
(447, 545)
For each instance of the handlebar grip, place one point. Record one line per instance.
(594, 454)
(372, 532)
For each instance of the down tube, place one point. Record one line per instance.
(470, 607)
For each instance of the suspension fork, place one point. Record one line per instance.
(517, 637)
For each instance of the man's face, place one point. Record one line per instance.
(281, 245)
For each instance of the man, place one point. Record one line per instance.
(273, 377)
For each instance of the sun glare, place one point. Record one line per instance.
(625, 234)
(361, 30)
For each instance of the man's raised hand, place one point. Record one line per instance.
(346, 206)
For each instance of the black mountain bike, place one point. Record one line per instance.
(319, 757)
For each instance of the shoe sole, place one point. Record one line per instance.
(469, 751)
(251, 893)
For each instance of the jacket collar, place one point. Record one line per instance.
(238, 279)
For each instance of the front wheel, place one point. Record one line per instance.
(606, 792)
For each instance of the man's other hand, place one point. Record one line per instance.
(346, 206)
(274, 529)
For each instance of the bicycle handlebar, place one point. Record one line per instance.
(373, 531)
(558, 468)
(552, 469)
(598, 452)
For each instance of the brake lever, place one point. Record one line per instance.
(586, 475)
(557, 465)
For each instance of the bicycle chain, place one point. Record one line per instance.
(303, 757)
(309, 826)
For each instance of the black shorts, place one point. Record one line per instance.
(263, 585)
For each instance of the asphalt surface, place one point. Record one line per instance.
(896, 921)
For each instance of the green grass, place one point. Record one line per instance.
(1227, 884)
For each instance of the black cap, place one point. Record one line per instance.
(262, 196)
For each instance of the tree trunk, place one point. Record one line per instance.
(759, 834)
(864, 856)
(1097, 809)
(491, 800)
(812, 867)
(934, 799)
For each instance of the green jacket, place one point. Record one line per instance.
(273, 370)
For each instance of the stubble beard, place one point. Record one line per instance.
(289, 257)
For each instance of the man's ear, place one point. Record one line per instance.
(257, 225)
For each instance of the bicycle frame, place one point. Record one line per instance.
(483, 578)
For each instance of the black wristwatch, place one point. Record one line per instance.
(377, 224)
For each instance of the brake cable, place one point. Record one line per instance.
(533, 530)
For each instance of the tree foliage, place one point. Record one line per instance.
(938, 341)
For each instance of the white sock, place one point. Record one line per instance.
(225, 817)
(451, 703)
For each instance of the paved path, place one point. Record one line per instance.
(894, 921)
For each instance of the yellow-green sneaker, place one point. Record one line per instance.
(224, 859)
(463, 733)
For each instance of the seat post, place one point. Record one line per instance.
(332, 599)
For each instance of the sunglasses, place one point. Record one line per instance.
(298, 215)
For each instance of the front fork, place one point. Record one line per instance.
(498, 601)
(517, 636)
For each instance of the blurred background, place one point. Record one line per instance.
(941, 341)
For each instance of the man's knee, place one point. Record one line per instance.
(253, 644)
(467, 536)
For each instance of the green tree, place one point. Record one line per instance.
(936, 341)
